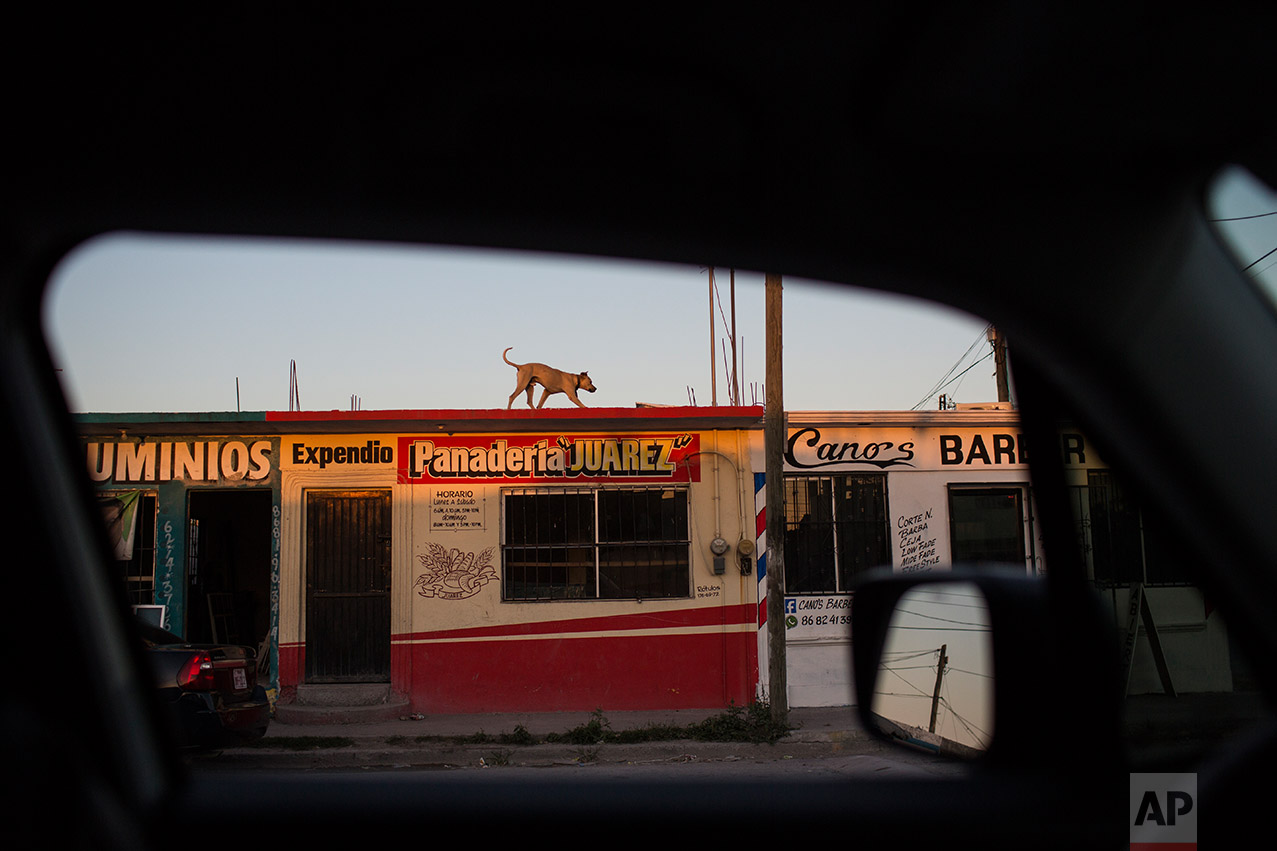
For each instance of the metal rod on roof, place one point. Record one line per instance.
(735, 376)
(713, 366)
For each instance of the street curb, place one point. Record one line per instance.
(370, 753)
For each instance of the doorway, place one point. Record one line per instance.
(347, 586)
(229, 567)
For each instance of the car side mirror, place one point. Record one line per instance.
(963, 663)
(933, 688)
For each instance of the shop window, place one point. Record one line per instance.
(987, 525)
(1124, 543)
(130, 520)
(615, 543)
(835, 527)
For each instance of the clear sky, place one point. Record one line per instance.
(144, 323)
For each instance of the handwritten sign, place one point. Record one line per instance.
(456, 510)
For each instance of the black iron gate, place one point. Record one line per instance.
(347, 586)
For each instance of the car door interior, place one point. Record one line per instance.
(1043, 170)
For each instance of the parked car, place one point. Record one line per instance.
(1039, 165)
(210, 690)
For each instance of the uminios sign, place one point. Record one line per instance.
(535, 459)
(135, 462)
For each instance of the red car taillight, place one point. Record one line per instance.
(197, 673)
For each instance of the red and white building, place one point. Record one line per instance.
(475, 561)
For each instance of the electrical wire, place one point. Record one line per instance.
(942, 628)
(979, 735)
(1244, 218)
(906, 682)
(965, 371)
(942, 620)
(1265, 257)
(946, 380)
(1263, 270)
(906, 655)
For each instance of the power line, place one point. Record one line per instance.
(905, 655)
(942, 628)
(1265, 257)
(1244, 218)
(1263, 270)
(947, 380)
(979, 735)
(942, 620)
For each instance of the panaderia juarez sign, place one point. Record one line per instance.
(533, 459)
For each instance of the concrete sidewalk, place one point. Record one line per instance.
(428, 742)
(818, 724)
(359, 742)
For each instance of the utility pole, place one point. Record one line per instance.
(1000, 364)
(935, 696)
(774, 441)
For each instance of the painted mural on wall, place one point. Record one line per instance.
(453, 574)
(544, 459)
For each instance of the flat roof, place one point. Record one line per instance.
(424, 420)
(451, 420)
(969, 417)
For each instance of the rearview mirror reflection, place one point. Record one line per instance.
(934, 689)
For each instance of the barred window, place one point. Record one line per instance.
(603, 544)
(835, 527)
(1124, 541)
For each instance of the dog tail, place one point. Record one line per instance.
(507, 360)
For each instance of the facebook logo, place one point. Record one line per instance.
(1163, 810)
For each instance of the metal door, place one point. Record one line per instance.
(347, 586)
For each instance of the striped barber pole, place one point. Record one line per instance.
(760, 541)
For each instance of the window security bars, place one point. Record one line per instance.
(606, 543)
(835, 528)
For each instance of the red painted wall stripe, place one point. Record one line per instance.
(578, 674)
(674, 619)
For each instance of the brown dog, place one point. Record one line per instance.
(552, 380)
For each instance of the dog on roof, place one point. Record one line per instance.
(551, 380)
